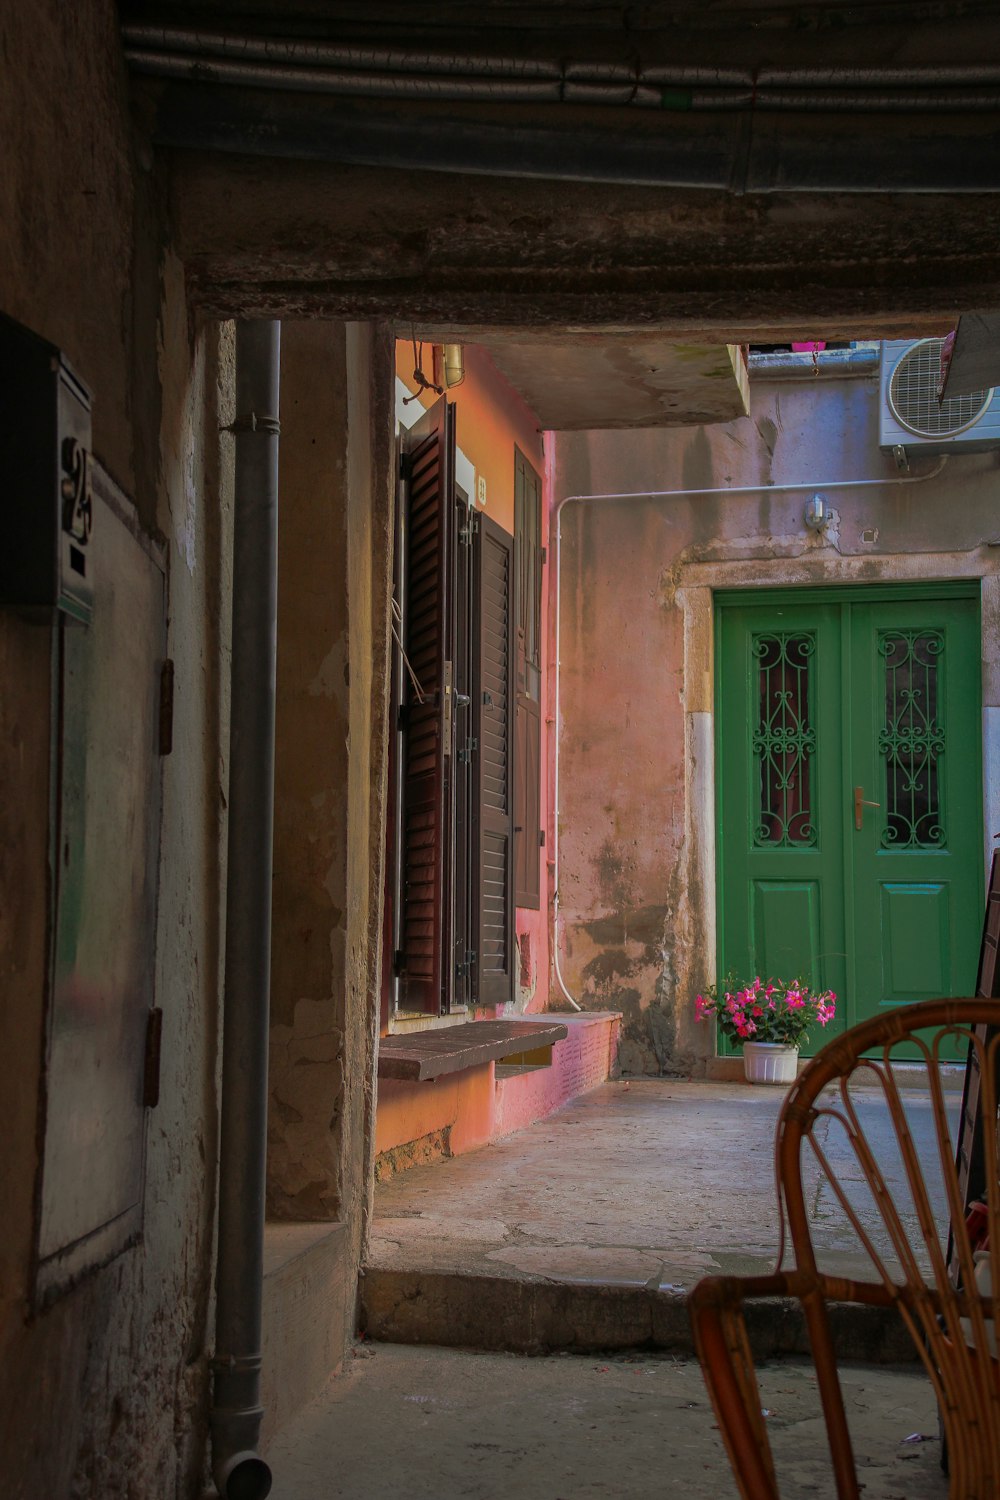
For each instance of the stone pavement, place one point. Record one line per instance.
(437, 1424)
(588, 1229)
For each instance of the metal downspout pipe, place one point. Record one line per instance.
(239, 1471)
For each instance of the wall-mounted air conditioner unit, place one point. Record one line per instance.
(910, 415)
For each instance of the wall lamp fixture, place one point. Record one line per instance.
(817, 513)
(452, 364)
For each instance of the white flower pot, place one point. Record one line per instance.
(770, 1062)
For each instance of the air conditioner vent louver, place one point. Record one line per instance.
(913, 395)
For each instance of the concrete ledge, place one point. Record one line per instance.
(417, 1056)
(447, 1115)
(307, 1315)
(541, 1317)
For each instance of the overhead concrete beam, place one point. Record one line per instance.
(581, 382)
(306, 239)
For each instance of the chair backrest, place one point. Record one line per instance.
(900, 1202)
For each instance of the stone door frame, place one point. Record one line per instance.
(694, 595)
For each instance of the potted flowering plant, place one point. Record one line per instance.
(770, 1018)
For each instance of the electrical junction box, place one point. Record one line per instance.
(45, 460)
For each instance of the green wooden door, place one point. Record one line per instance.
(849, 793)
(781, 853)
(915, 752)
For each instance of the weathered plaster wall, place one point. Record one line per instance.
(102, 1394)
(309, 939)
(334, 570)
(372, 492)
(640, 557)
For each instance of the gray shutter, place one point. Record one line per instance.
(493, 724)
(527, 677)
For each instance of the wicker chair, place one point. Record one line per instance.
(913, 1266)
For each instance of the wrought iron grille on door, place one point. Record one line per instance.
(785, 740)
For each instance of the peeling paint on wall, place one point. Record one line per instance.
(637, 820)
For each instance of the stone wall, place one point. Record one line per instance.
(104, 1393)
(309, 939)
(334, 578)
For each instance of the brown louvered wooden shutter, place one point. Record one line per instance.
(427, 608)
(493, 723)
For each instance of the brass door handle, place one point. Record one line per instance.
(860, 803)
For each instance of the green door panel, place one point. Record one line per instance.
(914, 942)
(785, 924)
(824, 698)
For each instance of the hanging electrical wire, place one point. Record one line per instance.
(397, 627)
(423, 384)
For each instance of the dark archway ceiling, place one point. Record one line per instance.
(676, 222)
(746, 32)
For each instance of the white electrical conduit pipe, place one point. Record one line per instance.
(746, 489)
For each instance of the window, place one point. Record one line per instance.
(453, 892)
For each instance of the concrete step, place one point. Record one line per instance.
(588, 1230)
(464, 1310)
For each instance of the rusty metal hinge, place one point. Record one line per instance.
(467, 533)
(166, 707)
(464, 967)
(151, 1065)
